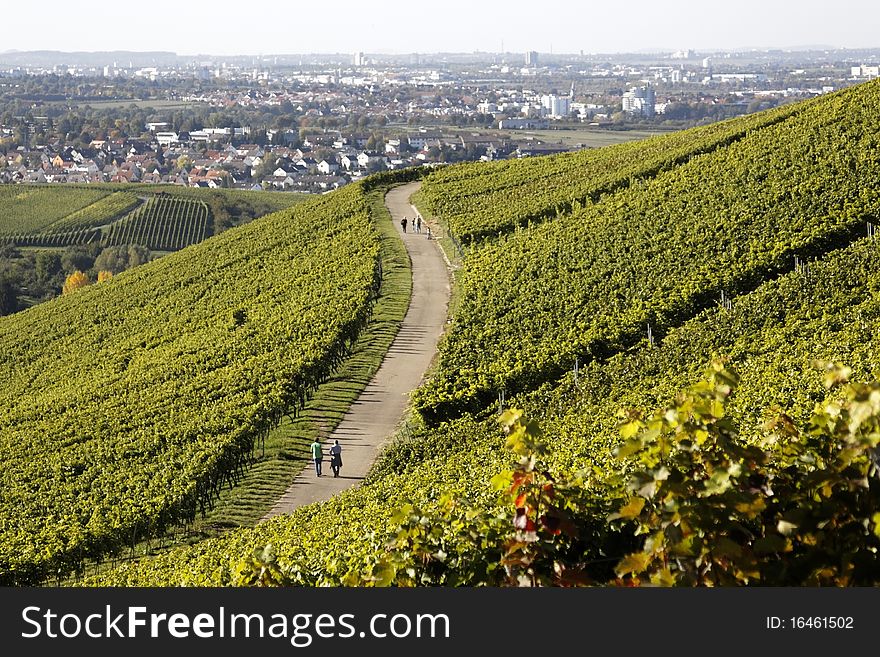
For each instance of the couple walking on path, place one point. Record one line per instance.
(335, 457)
(416, 224)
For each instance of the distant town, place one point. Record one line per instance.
(315, 123)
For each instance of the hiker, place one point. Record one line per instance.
(429, 232)
(317, 456)
(336, 457)
(418, 224)
(403, 224)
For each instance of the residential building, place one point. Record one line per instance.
(639, 101)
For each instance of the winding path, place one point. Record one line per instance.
(380, 408)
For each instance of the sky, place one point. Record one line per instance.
(233, 27)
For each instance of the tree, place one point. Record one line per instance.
(77, 258)
(104, 275)
(375, 142)
(75, 281)
(374, 166)
(8, 295)
(116, 259)
(48, 263)
(137, 255)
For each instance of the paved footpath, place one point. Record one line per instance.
(380, 408)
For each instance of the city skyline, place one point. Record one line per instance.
(516, 26)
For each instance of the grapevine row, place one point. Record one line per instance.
(127, 405)
(163, 223)
(771, 335)
(99, 213)
(478, 201)
(31, 209)
(589, 284)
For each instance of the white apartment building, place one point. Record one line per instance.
(639, 101)
(865, 71)
(556, 107)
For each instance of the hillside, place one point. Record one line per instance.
(128, 403)
(103, 214)
(711, 213)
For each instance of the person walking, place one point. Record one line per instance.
(429, 232)
(336, 458)
(418, 224)
(403, 224)
(317, 456)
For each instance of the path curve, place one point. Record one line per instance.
(379, 409)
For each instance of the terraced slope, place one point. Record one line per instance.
(30, 210)
(163, 223)
(586, 285)
(161, 217)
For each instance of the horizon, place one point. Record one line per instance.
(461, 27)
(401, 53)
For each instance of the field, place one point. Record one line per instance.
(116, 104)
(590, 283)
(160, 217)
(587, 136)
(473, 199)
(31, 210)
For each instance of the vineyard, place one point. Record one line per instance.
(597, 288)
(168, 218)
(474, 199)
(97, 214)
(126, 405)
(163, 223)
(772, 334)
(32, 210)
(79, 227)
(827, 312)
(591, 283)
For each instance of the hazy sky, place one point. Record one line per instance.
(241, 27)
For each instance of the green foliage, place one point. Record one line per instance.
(9, 292)
(99, 213)
(47, 264)
(163, 223)
(585, 286)
(474, 198)
(703, 508)
(32, 209)
(799, 509)
(172, 217)
(127, 405)
(118, 259)
(772, 334)
(428, 513)
(542, 543)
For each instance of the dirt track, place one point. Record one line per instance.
(377, 412)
